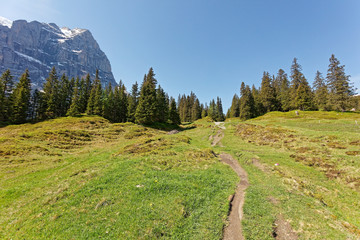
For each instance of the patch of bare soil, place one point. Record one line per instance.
(221, 125)
(283, 230)
(234, 230)
(259, 165)
(217, 138)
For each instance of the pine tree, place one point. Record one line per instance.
(258, 107)
(133, 102)
(146, 109)
(116, 111)
(320, 92)
(340, 88)
(196, 110)
(51, 94)
(189, 103)
(283, 94)
(98, 104)
(212, 112)
(267, 93)
(247, 103)
(235, 107)
(65, 95)
(21, 103)
(123, 102)
(85, 91)
(36, 105)
(219, 110)
(301, 98)
(173, 113)
(204, 112)
(74, 109)
(162, 107)
(42, 105)
(94, 106)
(276, 83)
(6, 89)
(304, 98)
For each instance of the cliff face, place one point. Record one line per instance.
(40, 46)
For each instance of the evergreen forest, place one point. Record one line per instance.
(149, 103)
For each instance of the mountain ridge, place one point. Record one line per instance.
(40, 46)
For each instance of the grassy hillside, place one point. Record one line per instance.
(85, 178)
(304, 168)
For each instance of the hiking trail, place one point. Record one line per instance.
(233, 231)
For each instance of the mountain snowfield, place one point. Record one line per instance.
(66, 32)
(40, 46)
(5, 22)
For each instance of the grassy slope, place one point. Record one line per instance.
(316, 185)
(85, 178)
(81, 178)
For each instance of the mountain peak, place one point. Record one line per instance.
(40, 46)
(5, 22)
(70, 33)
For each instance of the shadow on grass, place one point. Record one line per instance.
(170, 127)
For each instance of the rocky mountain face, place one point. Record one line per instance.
(40, 46)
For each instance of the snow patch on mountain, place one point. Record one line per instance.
(5, 22)
(28, 58)
(70, 33)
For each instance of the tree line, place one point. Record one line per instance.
(279, 93)
(61, 96)
(190, 108)
(149, 103)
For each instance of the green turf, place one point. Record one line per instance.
(316, 185)
(86, 178)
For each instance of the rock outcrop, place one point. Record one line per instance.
(40, 46)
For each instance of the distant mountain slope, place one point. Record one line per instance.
(40, 46)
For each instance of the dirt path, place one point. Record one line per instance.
(220, 125)
(234, 230)
(217, 138)
(219, 134)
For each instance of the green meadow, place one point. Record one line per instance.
(86, 178)
(304, 168)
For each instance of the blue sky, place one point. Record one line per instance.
(209, 46)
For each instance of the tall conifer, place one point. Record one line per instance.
(133, 102)
(21, 103)
(6, 89)
(235, 108)
(267, 93)
(95, 100)
(51, 94)
(340, 88)
(320, 92)
(247, 103)
(173, 113)
(162, 107)
(146, 109)
(283, 94)
(74, 109)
